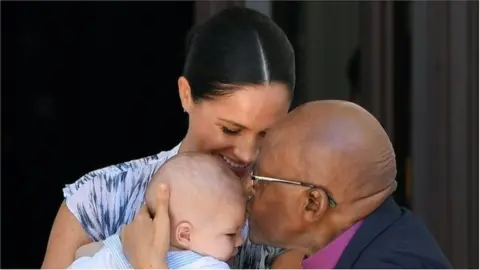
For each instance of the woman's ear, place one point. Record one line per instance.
(183, 233)
(185, 94)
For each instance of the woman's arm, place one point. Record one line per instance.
(95, 207)
(61, 252)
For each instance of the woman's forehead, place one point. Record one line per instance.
(252, 106)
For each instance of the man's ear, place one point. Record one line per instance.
(315, 205)
(185, 93)
(183, 233)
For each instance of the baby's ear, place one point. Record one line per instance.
(183, 233)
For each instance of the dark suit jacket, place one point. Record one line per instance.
(392, 237)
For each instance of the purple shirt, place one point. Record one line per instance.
(327, 257)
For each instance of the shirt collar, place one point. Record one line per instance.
(174, 151)
(177, 259)
(327, 257)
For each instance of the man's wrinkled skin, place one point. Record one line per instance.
(333, 144)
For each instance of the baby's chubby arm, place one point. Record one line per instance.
(101, 255)
(88, 250)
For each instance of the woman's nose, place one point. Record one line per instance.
(246, 150)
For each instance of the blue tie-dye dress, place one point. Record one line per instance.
(106, 199)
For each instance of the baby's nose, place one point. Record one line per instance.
(239, 240)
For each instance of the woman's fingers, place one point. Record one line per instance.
(162, 201)
(136, 225)
(145, 240)
(144, 212)
(161, 220)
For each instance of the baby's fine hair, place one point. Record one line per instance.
(198, 180)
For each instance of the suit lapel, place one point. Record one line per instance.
(372, 226)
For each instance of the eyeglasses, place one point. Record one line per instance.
(331, 202)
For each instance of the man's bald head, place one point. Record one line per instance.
(336, 145)
(198, 183)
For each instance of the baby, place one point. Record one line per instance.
(207, 212)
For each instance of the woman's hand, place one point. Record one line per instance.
(146, 241)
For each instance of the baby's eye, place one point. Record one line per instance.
(231, 234)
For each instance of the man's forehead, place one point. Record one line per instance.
(278, 162)
(295, 148)
(298, 158)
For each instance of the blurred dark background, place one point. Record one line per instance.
(89, 84)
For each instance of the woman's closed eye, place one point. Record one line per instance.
(230, 131)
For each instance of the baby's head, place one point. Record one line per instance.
(207, 204)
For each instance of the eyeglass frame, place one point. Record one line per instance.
(256, 178)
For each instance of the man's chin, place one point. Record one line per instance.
(257, 239)
(262, 239)
(253, 239)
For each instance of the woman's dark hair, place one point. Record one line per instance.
(236, 47)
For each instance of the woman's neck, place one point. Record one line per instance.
(187, 144)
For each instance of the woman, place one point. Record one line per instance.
(238, 80)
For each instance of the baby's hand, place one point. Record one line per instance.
(88, 250)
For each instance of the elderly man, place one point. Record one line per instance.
(322, 187)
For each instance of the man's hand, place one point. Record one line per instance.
(146, 241)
